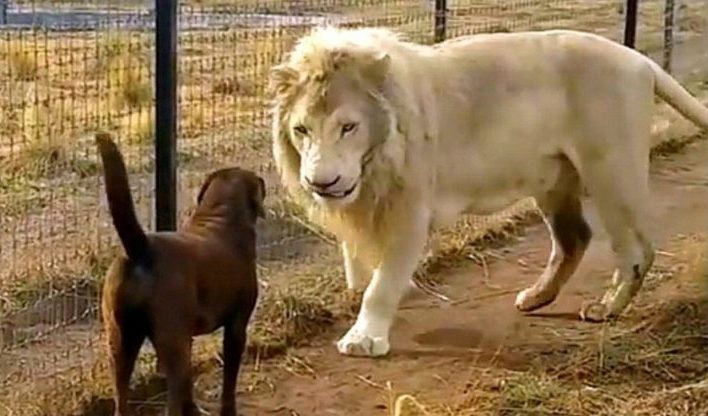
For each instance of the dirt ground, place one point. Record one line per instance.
(437, 346)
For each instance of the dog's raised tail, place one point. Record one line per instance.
(120, 202)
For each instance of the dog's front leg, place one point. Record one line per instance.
(369, 335)
(234, 345)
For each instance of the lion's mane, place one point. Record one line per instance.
(370, 221)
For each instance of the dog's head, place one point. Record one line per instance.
(236, 189)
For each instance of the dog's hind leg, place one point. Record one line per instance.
(570, 237)
(124, 343)
(175, 350)
(234, 345)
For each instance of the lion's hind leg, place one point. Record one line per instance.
(618, 186)
(570, 237)
(609, 145)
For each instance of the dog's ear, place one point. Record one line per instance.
(258, 197)
(204, 188)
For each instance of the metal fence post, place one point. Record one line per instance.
(669, 22)
(4, 4)
(630, 23)
(440, 20)
(165, 114)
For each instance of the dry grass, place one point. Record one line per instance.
(474, 239)
(143, 126)
(135, 84)
(675, 145)
(287, 320)
(22, 64)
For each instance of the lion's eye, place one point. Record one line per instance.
(300, 129)
(348, 128)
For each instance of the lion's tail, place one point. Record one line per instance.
(120, 202)
(676, 95)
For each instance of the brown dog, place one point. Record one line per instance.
(171, 286)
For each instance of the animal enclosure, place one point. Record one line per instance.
(71, 67)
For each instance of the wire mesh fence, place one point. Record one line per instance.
(66, 69)
(69, 67)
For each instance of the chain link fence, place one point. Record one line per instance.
(69, 67)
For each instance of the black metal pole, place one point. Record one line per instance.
(630, 23)
(3, 11)
(669, 19)
(165, 114)
(440, 20)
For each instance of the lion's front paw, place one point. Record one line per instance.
(358, 343)
(531, 299)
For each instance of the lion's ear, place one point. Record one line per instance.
(340, 59)
(282, 79)
(376, 69)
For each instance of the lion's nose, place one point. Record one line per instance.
(322, 185)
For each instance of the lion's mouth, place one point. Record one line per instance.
(338, 195)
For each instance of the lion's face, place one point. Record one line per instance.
(335, 132)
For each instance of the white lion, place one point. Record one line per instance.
(383, 139)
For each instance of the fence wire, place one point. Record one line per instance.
(68, 68)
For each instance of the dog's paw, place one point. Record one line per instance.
(531, 299)
(358, 343)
